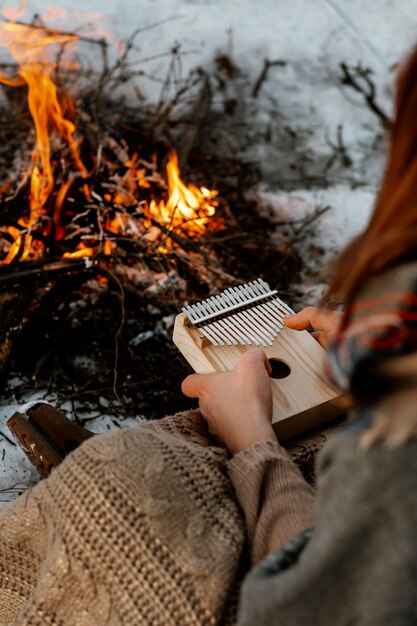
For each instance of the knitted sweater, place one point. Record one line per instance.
(359, 564)
(141, 527)
(157, 526)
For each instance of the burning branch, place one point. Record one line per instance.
(89, 201)
(17, 275)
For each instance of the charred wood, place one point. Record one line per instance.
(42, 270)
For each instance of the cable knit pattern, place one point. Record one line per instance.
(142, 527)
(138, 526)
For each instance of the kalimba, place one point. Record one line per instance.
(214, 333)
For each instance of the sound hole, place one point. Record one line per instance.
(279, 368)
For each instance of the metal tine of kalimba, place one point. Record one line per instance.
(275, 303)
(192, 311)
(235, 328)
(236, 336)
(206, 332)
(189, 311)
(276, 299)
(262, 329)
(247, 338)
(193, 314)
(202, 309)
(269, 311)
(214, 334)
(218, 326)
(273, 316)
(272, 324)
(213, 326)
(221, 325)
(239, 322)
(275, 307)
(281, 306)
(215, 305)
(247, 319)
(256, 291)
(262, 314)
(260, 338)
(258, 323)
(203, 331)
(261, 288)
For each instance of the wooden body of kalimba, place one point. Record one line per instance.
(302, 395)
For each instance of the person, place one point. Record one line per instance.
(160, 525)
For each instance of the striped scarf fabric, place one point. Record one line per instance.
(380, 324)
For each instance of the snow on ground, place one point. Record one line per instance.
(300, 105)
(347, 215)
(290, 128)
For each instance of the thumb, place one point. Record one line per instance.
(192, 386)
(255, 358)
(298, 321)
(326, 320)
(310, 317)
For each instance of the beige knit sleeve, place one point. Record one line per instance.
(276, 500)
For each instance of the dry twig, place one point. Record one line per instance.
(359, 79)
(264, 74)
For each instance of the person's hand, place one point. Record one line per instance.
(324, 321)
(238, 404)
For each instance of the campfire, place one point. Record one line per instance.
(74, 201)
(103, 236)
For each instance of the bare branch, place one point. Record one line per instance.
(264, 74)
(359, 79)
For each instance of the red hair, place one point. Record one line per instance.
(391, 235)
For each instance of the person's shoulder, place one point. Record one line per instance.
(346, 464)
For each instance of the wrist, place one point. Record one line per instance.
(250, 436)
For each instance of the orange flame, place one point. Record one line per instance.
(30, 47)
(187, 208)
(82, 251)
(186, 205)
